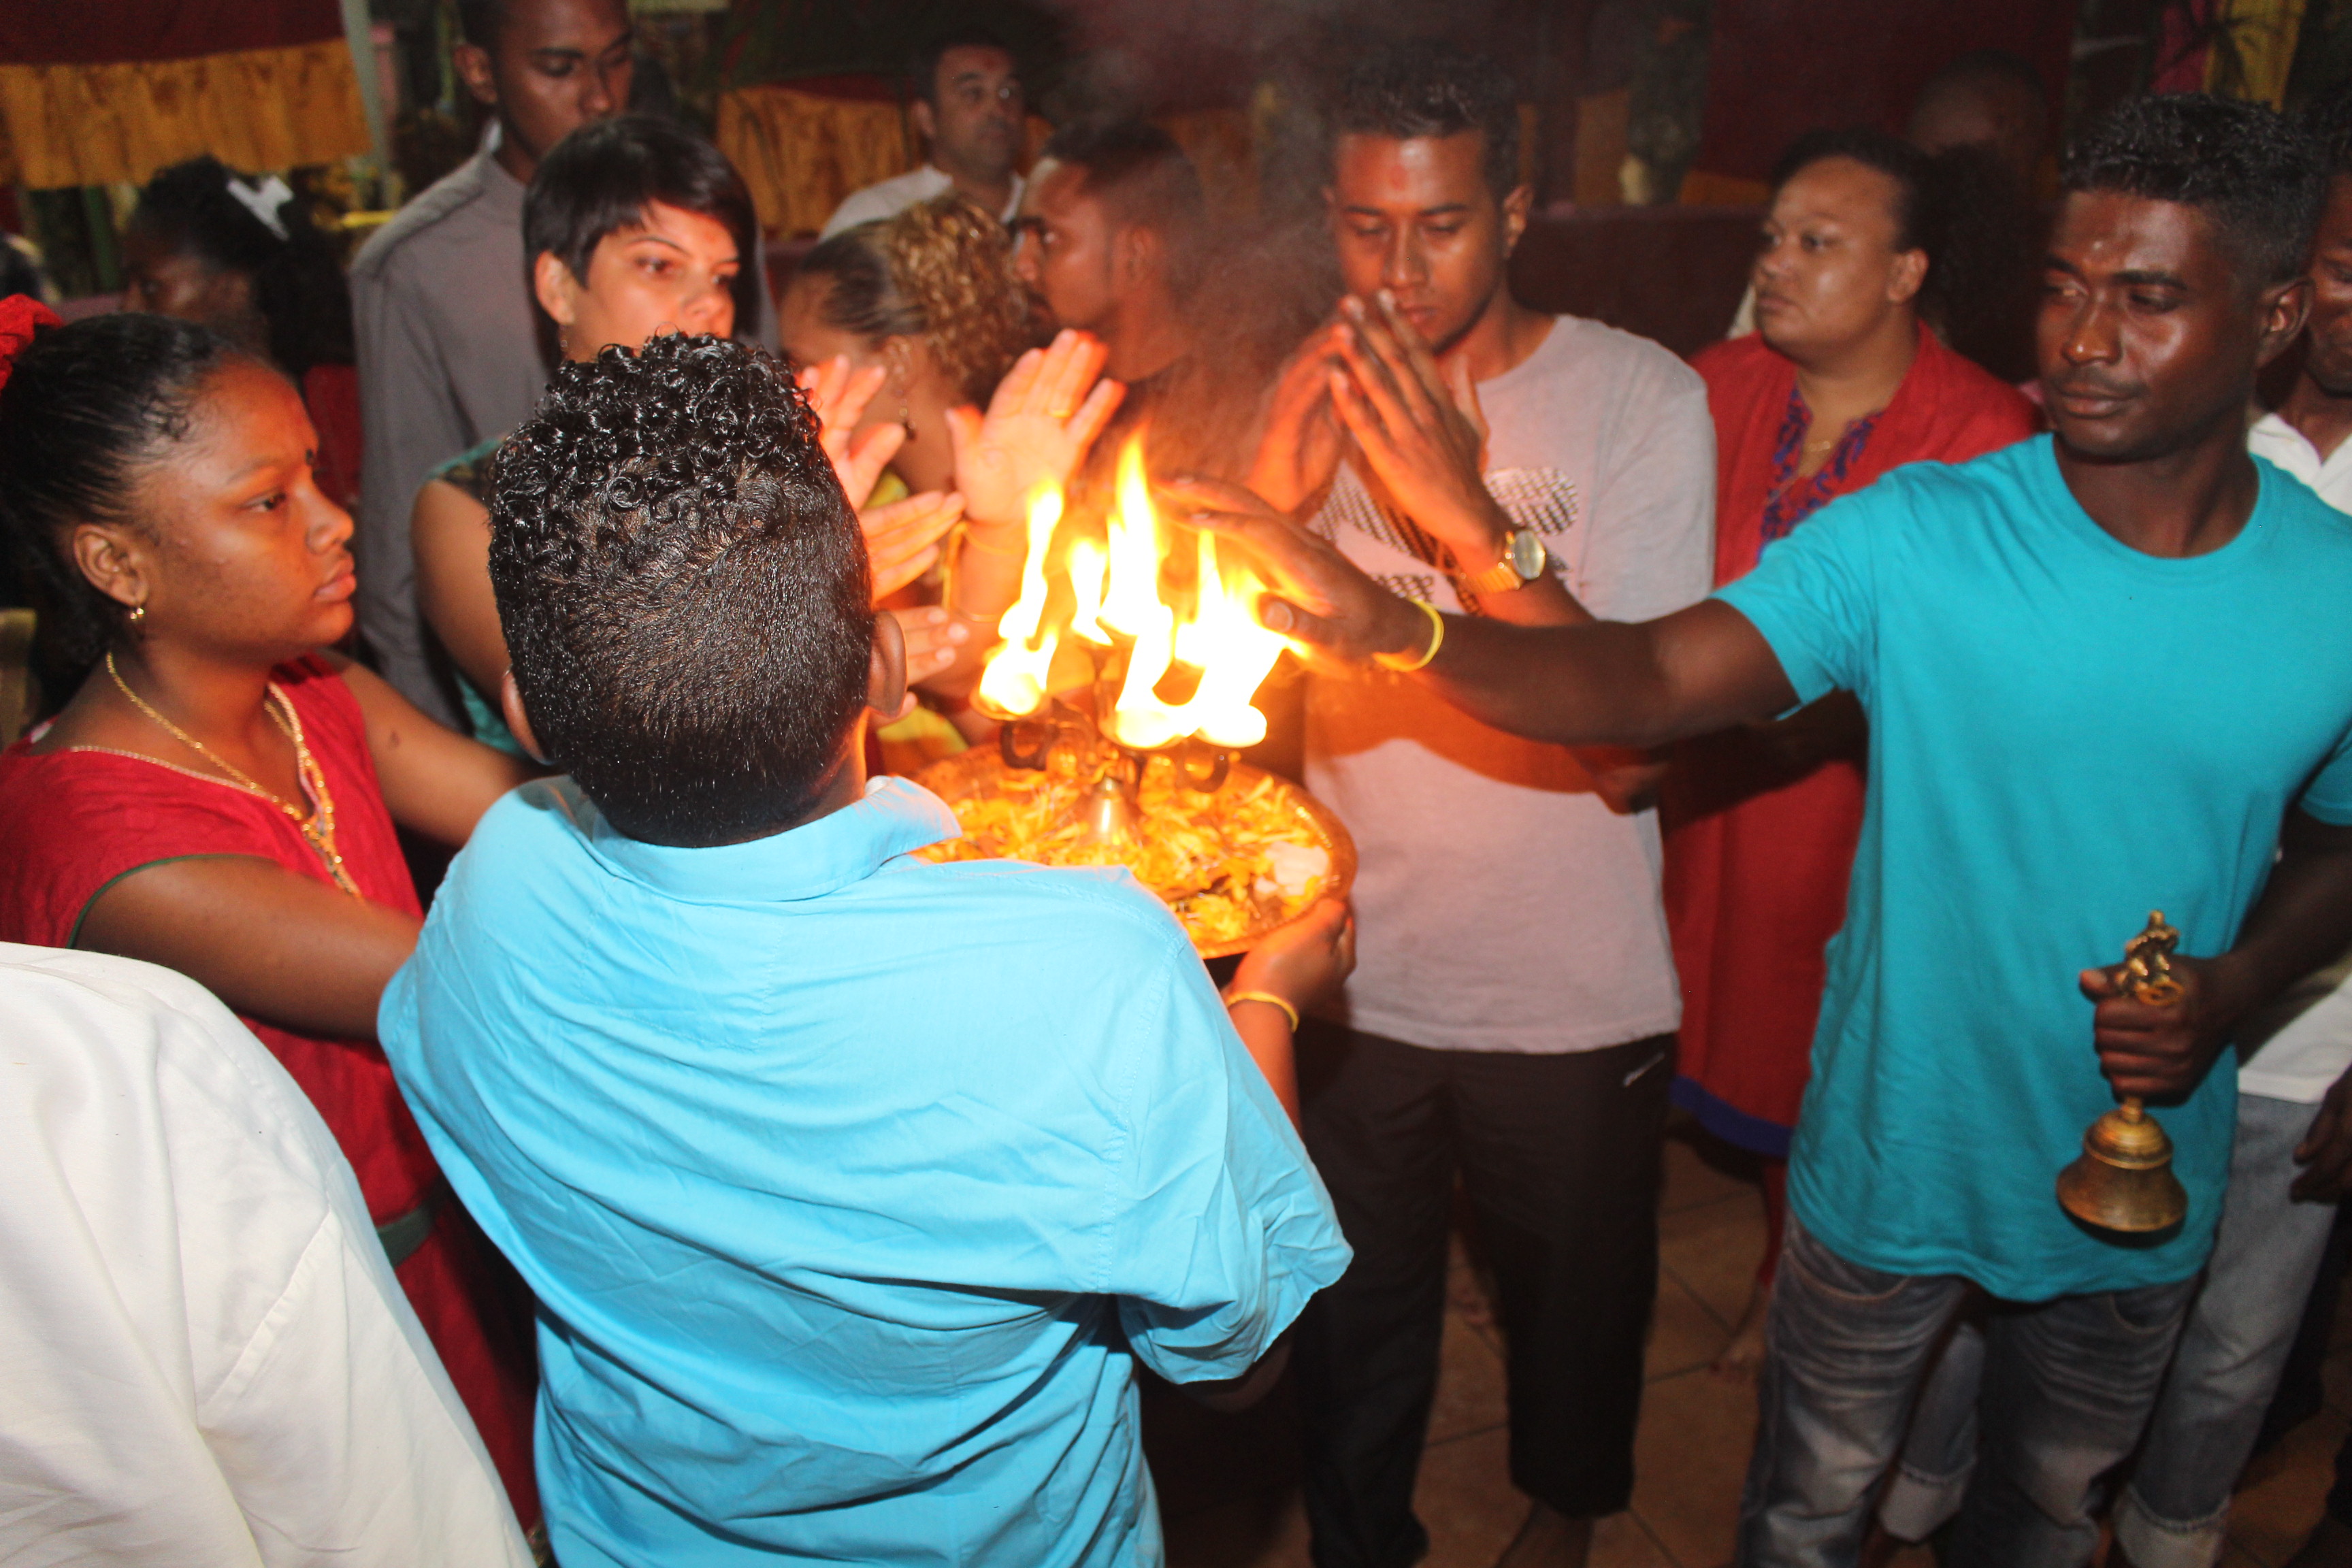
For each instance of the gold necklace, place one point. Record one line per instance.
(318, 829)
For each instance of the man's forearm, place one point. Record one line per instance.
(2302, 923)
(1609, 682)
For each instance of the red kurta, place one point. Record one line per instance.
(73, 821)
(1757, 859)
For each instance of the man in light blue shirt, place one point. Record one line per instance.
(852, 1187)
(2103, 674)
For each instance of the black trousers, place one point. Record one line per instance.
(1560, 1157)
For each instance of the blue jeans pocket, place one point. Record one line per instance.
(1831, 1274)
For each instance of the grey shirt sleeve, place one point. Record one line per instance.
(410, 416)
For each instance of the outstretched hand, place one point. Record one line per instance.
(1320, 597)
(2158, 1052)
(838, 396)
(1038, 429)
(902, 540)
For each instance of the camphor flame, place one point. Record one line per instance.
(1116, 589)
(1014, 679)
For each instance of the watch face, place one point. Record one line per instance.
(1528, 555)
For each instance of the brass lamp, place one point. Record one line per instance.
(2123, 1181)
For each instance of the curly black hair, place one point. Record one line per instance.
(684, 589)
(1415, 87)
(88, 407)
(2260, 177)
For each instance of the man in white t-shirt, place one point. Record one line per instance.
(2293, 1158)
(968, 111)
(207, 1359)
(1512, 1012)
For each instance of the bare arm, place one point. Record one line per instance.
(1298, 964)
(1238, 1393)
(450, 533)
(1599, 683)
(435, 782)
(272, 944)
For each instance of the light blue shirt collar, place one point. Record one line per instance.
(806, 862)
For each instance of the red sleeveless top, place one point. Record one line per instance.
(72, 822)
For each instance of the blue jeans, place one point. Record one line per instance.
(2067, 1386)
(2177, 1506)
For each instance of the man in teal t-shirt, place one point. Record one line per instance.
(2104, 674)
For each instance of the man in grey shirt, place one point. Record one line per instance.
(449, 352)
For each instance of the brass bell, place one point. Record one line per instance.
(2123, 1181)
(1107, 813)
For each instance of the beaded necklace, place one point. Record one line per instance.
(318, 829)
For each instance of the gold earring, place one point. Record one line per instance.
(904, 422)
(138, 614)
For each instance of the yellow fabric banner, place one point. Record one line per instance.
(257, 109)
(801, 153)
(2262, 35)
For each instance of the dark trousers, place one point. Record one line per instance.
(1559, 1158)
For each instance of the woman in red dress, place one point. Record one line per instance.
(1842, 380)
(218, 796)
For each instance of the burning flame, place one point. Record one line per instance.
(1114, 588)
(1014, 679)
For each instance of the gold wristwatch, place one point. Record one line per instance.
(1524, 559)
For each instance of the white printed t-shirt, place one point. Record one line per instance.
(1500, 905)
(2300, 1044)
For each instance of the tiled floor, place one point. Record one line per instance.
(1229, 1485)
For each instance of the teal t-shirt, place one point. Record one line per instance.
(2064, 734)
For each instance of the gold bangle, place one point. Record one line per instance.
(1270, 999)
(973, 540)
(1405, 664)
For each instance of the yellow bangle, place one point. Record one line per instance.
(1404, 664)
(1270, 999)
(976, 543)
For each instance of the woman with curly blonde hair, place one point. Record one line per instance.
(919, 318)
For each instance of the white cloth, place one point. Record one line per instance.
(1500, 906)
(204, 1355)
(2300, 1043)
(889, 198)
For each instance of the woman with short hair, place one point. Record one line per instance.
(635, 226)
